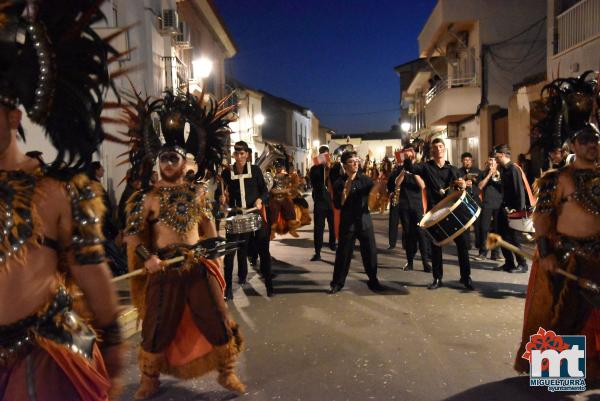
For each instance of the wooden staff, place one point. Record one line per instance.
(139, 272)
(494, 241)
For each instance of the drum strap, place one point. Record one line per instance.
(242, 179)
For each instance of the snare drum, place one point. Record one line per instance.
(452, 216)
(243, 223)
(521, 221)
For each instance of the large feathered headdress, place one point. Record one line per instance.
(56, 66)
(207, 121)
(569, 104)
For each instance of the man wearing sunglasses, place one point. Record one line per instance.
(245, 188)
(567, 231)
(351, 196)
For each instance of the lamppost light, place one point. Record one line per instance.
(259, 119)
(405, 126)
(316, 143)
(202, 67)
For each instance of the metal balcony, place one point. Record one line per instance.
(578, 24)
(176, 73)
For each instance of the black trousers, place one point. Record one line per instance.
(511, 236)
(343, 256)
(394, 219)
(477, 232)
(413, 235)
(260, 241)
(488, 223)
(463, 258)
(322, 213)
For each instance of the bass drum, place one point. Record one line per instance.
(451, 217)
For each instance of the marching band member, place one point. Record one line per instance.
(439, 176)
(351, 196)
(407, 205)
(323, 207)
(246, 188)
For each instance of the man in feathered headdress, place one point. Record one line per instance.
(55, 67)
(186, 329)
(567, 226)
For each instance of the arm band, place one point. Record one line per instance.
(142, 252)
(544, 246)
(111, 334)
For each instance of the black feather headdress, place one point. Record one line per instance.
(56, 66)
(207, 134)
(569, 104)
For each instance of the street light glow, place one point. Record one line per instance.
(405, 126)
(316, 143)
(259, 119)
(202, 67)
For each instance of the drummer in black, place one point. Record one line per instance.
(245, 186)
(440, 178)
(351, 196)
(515, 197)
(406, 205)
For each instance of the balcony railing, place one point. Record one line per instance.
(176, 73)
(578, 24)
(448, 83)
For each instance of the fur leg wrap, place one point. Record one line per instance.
(150, 366)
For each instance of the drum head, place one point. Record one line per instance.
(442, 209)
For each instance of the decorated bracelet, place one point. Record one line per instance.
(142, 252)
(544, 246)
(111, 334)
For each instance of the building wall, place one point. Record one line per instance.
(149, 76)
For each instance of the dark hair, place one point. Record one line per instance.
(466, 154)
(492, 154)
(349, 154)
(504, 148)
(438, 140)
(323, 149)
(409, 146)
(95, 166)
(241, 145)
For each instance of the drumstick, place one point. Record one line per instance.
(138, 272)
(494, 241)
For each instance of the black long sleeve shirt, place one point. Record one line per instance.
(492, 192)
(514, 195)
(474, 190)
(436, 178)
(357, 201)
(411, 196)
(318, 181)
(254, 186)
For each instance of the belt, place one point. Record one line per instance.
(585, 247)
(55, 322)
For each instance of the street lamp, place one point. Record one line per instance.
(316, 143)
(259, 119)
(405, 126)
(202, 67)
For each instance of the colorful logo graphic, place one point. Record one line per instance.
(556, 361)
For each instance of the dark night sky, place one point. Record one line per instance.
(335, 57)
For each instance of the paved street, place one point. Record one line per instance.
(408, 343)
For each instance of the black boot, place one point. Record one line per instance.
(269, 287)
(408, 266)
(374, 285)
(228, 293)
(467, 282)
(426, 267)
(437, 283)
(316, 257)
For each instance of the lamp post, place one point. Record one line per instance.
(405, 126)
(202, 67)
